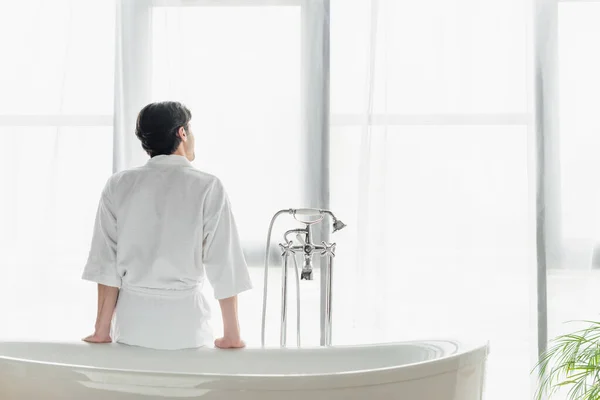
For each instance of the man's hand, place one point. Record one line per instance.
(231, 327)
(98, 338)
(227, 343)
(107, 301)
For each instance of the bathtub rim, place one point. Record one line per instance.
(467, 354)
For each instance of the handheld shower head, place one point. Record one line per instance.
(338, 225)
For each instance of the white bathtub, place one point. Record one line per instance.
(432, 370)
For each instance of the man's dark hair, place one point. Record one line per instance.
(157, 126)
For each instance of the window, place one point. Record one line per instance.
(573, 273)
(579, 142)
(56, 106)
(251, 75)
(429, 167)
(243, 85)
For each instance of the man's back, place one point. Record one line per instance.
(159, 228)
(160, 210)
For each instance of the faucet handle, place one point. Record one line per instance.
(286, 249)
(329, 249)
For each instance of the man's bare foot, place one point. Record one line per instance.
(227, 343)
(98, 338)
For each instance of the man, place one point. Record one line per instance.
(160, 229)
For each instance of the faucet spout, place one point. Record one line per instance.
(307, 269)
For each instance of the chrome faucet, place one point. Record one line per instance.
(308, 249)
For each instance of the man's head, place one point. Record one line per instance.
(164, 129)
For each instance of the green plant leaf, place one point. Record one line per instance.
(572, 361)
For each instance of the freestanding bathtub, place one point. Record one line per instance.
(428, 370)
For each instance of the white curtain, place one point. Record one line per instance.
(56, 102)
(576, 224)
(571, 178)
(431, 122)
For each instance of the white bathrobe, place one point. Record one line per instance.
(160, 229)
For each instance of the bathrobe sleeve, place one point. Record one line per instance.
(101, 266)
(223, 258)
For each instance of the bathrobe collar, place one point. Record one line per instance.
(170, 160)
